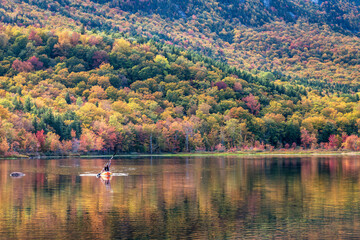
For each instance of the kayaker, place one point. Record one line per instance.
(107, 167)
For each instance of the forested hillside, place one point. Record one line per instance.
(314, 41)
(80, 77)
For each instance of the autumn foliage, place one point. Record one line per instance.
(63, 91)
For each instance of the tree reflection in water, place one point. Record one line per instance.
(210, 197)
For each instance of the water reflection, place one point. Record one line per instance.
(258, 197)
(107, 182)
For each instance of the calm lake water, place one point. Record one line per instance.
(182, 198)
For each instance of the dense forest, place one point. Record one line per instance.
(312, 40)
(85, 77)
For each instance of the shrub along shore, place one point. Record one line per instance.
(280, 152)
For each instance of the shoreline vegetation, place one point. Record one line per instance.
(279, 152)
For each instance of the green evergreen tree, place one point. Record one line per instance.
(28, 105)
(17, 104)
(82, 29)
(67, 98)
(35, 125)
(42, 126)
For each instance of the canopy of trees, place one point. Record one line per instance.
(312, 42)
(63, 91)
(211, 75)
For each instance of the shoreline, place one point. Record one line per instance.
(195, 154)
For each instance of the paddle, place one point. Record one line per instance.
(108, 164)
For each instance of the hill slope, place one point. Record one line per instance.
(315, 42)
(67, 87)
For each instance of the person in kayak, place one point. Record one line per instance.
(105, 169)
(107, 166)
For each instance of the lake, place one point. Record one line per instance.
(231, 197)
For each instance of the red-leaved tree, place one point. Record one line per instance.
(252, 103)
(37, 64)
(21, 66)
(307, 139)
(41, 139)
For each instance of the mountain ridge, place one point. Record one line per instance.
(213, 36)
